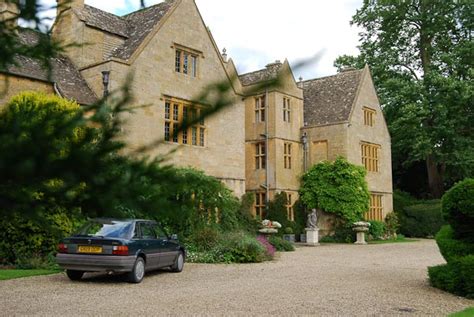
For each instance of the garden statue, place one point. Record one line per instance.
(312, 230)
(312, 219)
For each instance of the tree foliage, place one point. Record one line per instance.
(337, 187)
(421, 56)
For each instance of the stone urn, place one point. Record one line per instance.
(269, 227)
(360, 227)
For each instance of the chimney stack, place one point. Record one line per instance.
(9, 12)
(63, 5)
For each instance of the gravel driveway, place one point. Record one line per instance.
(328, 280)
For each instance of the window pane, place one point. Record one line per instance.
(175, 112)
(194, 135)
(201, 136)
(175, 130)
(178, 61)
(185, 63)
(185, 136)
(185, 113)
(167, 131)
(167, 110)
(194, 65)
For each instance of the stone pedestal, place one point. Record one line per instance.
(312, 236)
(360, 238)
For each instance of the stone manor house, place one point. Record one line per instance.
(262, 144)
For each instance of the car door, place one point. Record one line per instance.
(167, 248)
(151, 245)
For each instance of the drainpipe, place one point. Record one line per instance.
(267, 161)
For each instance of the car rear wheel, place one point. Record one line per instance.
(138, 271)
(178, 263)
(74, 275)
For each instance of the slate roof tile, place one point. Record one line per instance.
(330, 99)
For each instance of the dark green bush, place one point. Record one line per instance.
(451, 248)
(458, 209)
(421, 220)
(343, 233)
(377, 229)
(281, 244)
(456, 277)
(402, 200)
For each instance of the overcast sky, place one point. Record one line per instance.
(257, 32)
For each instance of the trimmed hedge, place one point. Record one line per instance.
(421, 220)
(458, 209)
(377, 229)
(281, 244)
(451, 248)
(456, 277)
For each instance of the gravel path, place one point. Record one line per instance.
(328, 280)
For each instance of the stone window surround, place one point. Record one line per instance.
(370, 154)
(191, 67)
(286, 109)
(178, 110)
(289, 207)
(287, 155)
(260, 108)
(376, 207)
(259, 206)
(260, 156)
(369, 116)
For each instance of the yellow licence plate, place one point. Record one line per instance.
(89, 249)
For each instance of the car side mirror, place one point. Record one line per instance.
(174, 237)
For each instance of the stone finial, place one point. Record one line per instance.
(301, 78)
(224, 55)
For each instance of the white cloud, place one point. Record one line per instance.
(258, 32)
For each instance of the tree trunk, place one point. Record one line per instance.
(435, 177)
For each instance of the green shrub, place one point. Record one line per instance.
(377, 229)
(281, 244)
(337, 187)
(456, 277)
(277, 210)
(444, 277)
(205, 238)
(458, 209)
(402, 199)
(421, 220)
(343, 233)
(234, 247)
(451, 248)
(392, 224)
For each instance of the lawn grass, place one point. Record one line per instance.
(468, 312)
(11, 274)
(398, 240)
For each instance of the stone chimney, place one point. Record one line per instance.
(63, 5)
(9, 12)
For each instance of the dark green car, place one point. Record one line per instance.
(116, 246)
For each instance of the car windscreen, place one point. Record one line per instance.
(107, 229)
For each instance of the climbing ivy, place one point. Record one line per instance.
(337, 187)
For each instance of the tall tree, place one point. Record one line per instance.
(421, 56)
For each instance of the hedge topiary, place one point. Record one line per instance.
(451, 248)
(422, 220)
(456, 277)
(337, 187)
(458, 209)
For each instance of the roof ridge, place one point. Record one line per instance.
(252, 72)
(329, 76)
(143, 9)
(106, 12)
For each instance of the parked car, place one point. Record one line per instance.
(115, 246)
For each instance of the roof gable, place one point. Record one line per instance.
(270, 72)
(330, 100)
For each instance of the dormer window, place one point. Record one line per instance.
(186, 62)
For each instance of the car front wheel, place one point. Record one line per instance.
(74, 275)
(138, 271)
(178, 263)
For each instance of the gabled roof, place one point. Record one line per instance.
(133, 27)
(140, 24)
(329, 100)
(68, 79)
(103, 20)
(268, 73)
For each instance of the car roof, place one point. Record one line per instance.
(121, 220)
